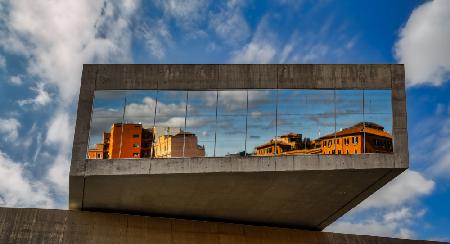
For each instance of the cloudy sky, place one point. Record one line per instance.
(43, 45)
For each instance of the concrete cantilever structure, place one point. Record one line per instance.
(301, 191)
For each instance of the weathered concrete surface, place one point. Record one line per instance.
(309, 191)
(62, 226)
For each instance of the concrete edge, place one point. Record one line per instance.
(238, 164)
(65, 226)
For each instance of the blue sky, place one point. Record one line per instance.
(44, 44)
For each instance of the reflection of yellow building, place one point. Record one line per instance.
(179, 145)
(290, 143)
(347, 141)
(350, 140)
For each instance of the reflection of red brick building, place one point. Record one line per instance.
(125, 141)
(133, 141)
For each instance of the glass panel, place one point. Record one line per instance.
(139, 123)
(108, 110)
(349, 122)
(231, 123)
(170, 124)
(378, 114)
(162, 124)
(261, 121)
(201, 123)
(304, 116)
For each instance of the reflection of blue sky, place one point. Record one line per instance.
(270, 113)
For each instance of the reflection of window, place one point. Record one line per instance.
(330, 143)
(135, 154)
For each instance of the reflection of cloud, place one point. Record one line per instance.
(256, 114)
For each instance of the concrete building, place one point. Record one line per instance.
(293, 196)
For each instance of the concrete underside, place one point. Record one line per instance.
(62, 226)
(309, 198)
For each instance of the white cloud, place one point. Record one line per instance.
(397, 222)
(187, 13)
(440, 153)
(229, 23)
(57, 37)
(156, 38)
(9, 128)
(261, 49)
(424, 44)
(60, 130)
(17, 190)
(406, 188)
(16, 80)
(42, 97)
(58, 173)
(2, 62)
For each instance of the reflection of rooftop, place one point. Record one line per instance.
(376, 140)
(367, 127)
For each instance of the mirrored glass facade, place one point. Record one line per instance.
(235, 123)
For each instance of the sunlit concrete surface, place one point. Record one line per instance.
(62, 226)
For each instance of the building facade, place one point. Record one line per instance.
(131, 140)
(362, 137)
(183, 144)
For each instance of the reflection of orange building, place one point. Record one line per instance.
(101, 150)
(350, 140)
(134, 141)
(97, 152)
(169, 146)
(347, 141)
(125, 141)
